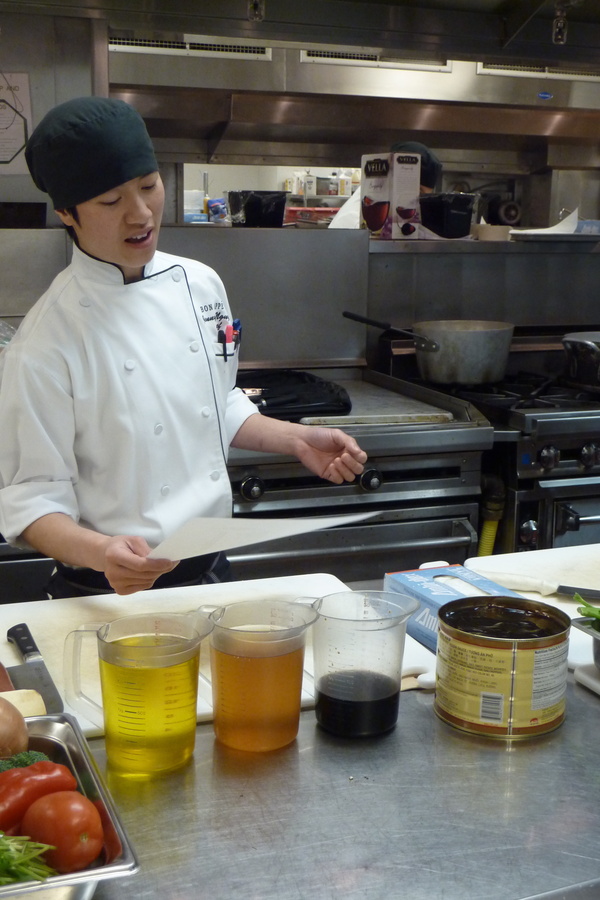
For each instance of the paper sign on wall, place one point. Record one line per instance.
(15, 122)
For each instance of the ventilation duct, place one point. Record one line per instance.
(531, 71)
(199, 47)
(380, 60)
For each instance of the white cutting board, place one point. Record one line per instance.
(575, 566)
(51, 620)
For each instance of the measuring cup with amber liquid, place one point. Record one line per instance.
(256, 667)
(358, 645)
(149, 686)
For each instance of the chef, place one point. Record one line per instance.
(117, 394)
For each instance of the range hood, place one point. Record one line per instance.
(209, 100)
(490, 30)
(485, 78)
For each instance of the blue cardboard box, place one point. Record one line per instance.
(426, 586)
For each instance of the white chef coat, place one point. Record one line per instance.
(117, 405)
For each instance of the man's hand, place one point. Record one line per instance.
(330, 453)
(127, 566)
(123, 559)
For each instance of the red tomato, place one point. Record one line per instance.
(71, 823)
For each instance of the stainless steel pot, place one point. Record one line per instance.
(471, 351)
(456, 351)
(583, 358)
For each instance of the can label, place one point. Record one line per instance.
(508, 688)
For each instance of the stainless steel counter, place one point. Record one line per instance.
(423, 813)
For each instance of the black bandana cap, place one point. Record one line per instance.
(431, 167)
(87, 146)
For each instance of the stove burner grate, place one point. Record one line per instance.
(527, 391)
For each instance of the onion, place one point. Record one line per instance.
(14, 737)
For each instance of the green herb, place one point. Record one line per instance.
(22, 760)
(592, 612)
(20, 860)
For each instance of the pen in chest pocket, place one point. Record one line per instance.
(222, 339)
(229, 333)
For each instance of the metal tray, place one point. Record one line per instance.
(61, 738)
(589, 627)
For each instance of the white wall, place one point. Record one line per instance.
(241, 178)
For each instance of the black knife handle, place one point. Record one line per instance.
(21, 636)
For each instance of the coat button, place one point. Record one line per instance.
(194, 346)
(177, 275)
(215, 476)
(158, 428)
(85, 301)
(206, 412)
(165, 489)
(130, 364)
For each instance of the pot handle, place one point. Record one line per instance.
(571, 343)
(421, 342)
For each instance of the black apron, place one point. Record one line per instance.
(67, 581)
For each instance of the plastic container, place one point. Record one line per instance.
(310, 185)
(449, 215)
(358, 644)
(257, 209)
(257, 665)
(344, 184)
(149, 675)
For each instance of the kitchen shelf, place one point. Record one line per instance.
(471, 247)
(336, 200)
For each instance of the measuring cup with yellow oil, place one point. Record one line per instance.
(149, 685)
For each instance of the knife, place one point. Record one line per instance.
(518, 582)
(33, 674)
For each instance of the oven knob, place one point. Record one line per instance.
(252, 488)
(528, 532)
(549, 457)
(371, 480)
(589, 455)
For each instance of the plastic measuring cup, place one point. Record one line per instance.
(256, 665)
(358, 644)
(149, 683)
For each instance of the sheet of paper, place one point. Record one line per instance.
(211, 535)
(565, 226)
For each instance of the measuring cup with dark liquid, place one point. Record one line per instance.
(358, 644)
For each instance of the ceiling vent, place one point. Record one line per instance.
(197, 47)
(371, 58)
(524, 71)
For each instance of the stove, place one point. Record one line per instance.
(422, 480)
(545, 459)
(527, 400)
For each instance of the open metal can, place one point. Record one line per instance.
(501, 667)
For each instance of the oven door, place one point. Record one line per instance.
(23, 574)
(556, 513)
(392, 540)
